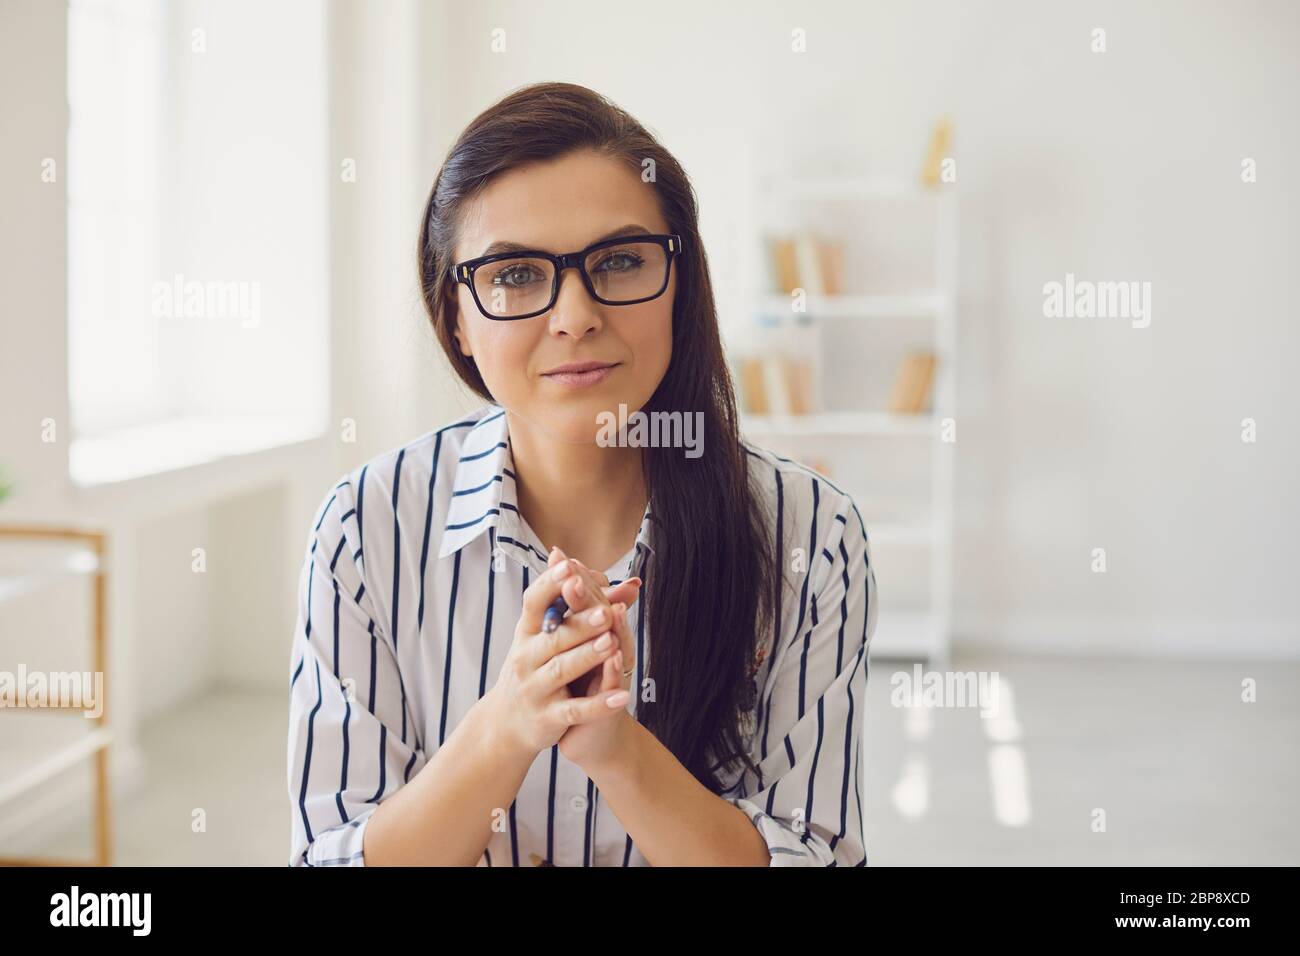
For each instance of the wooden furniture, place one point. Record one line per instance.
(85, 555)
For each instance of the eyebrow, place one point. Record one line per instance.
(503, 245)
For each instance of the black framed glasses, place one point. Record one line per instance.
(520, 285)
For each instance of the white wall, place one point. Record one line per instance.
(172, 633)
(33, 246)
(1122, 165)
(1072, 435)
(391, 378)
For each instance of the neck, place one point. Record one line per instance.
(584, 498)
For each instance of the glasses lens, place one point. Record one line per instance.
(628, 271)
(511, 287)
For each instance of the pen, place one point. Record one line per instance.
(554, 614)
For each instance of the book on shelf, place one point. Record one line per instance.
(775, 384)
(753, 386)
(940, 150)
(913, 384)
(785, 272)
(806, 261)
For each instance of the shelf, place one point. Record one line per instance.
(37, 747)
(908, 538)
(181, 443)
(821, 424)
(907, 305)
(837, 189)
(199, 484)
(32, 566)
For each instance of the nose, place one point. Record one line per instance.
(575, 312)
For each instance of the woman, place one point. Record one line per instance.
(700, 702)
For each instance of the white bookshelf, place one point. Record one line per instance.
(830, 424)
(924, 526)
(925, 304)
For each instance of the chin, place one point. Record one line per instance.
(579, 420)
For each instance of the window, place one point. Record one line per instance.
(198, 242)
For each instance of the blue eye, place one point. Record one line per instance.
(622, 262)
(517, 275)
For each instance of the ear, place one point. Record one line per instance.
(463, 341)
(452, 306)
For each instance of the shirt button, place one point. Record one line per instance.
(579, 803)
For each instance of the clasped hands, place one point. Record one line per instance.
(568, 686)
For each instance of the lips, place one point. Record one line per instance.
(580, 374)
(579, 367)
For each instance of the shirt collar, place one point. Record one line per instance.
(483, 497)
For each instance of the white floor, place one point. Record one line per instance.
(1185, 772)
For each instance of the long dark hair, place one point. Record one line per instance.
(710, 584)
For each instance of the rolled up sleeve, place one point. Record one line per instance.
(352, 741)
(808, 804)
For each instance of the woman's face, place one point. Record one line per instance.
(558, 206)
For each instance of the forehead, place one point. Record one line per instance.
(559, 205)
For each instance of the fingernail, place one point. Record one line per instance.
(603, 641)
(634, 580)
(578, 589)
(617, 700)
(597, 616)
(561, 570)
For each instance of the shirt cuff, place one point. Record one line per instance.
(787, 847)
(340, 845)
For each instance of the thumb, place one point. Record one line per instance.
(624, 591)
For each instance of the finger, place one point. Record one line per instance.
(573, 663)
(582, 591)
(576, 628)
(608, 678)
(625, 591)
(541, 592)
(554, 557)
(627, 645)
(612, 674)
(598, 577)
(585, 710)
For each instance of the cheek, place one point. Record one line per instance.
(501, 351)
(651, 342)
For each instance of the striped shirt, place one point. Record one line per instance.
(410, 590)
